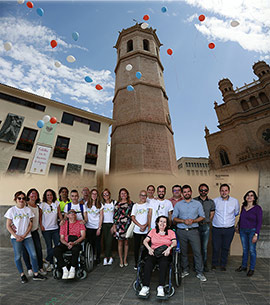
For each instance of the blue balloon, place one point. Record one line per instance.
(40, 124)
(75, 36)
(40, 12)
(164, 9)
(138, 75)
(130, 88)
(88, 79)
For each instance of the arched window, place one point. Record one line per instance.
(253, 101)
(244, 105)
(129, 45)
(146, 45)
(224, 157)
(263, 98)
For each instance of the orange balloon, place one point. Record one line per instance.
(170, 51)
(53, 120)
(211, 45)
(201, 17)
(53, 43)
(99, 87)
(30, 4)
(146, 17)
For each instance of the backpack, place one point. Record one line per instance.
(81, 208)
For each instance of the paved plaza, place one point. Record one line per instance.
(111, 285)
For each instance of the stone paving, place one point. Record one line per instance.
(112, 285)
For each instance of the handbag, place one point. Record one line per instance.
(130, 229)
(158, 252)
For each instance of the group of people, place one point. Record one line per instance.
(66, 221)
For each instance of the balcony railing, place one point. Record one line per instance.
(91, 158)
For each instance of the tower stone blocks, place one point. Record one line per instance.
(142, 135)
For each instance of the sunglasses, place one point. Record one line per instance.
(203, 190)
(143, 195)
(106, 194)
(72, 212)
(20, 198)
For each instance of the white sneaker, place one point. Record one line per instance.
(30, 272)
(201, 277)
(160, 291)
(65, 274)
(105, 263)
(184, 274)
(110, 261)
(50, 268)
(42, 271)
(144, 291)
(71, 274)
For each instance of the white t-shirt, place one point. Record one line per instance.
(21, 219)
(49, 215)
(75, 207)
(108, 212)
(35, 211)
(140, 211)
(93, 215)
(159, 208)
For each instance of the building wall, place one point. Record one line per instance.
(193, 166)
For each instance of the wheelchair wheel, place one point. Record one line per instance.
(137, 286)
(177, 269)
(81, 274)
(89, 257)
(57, 274)
(169, 291)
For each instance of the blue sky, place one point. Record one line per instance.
(191, 73)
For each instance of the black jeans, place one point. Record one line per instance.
(37, 244)
(61, 248)
(137, 244)
(95, 241)
(150, 263)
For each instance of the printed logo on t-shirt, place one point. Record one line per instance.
(108, 210)
(50, 211)
(93, 212)
(141, 211)
(21, 215)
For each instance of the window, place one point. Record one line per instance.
(224, 157)
(17, 164)
(19, 101)
(91, 154)
(146, 45)
(61, 147)
(188, 172)
(56, 169)
(244, 105)
(94, 126)
(129, 45)
(68, 118)
(27, 139)
(253, 101)
(263, 98)
(89, 174)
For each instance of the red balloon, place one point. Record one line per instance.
(170, 51)
(53, 120)
(146, 17)
(99, 87)
(201, 17)
(211, 45)
(53, 43)
(30, 4)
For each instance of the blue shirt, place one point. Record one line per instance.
(188, 210)
(225, 213)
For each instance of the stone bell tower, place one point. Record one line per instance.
(142, 135)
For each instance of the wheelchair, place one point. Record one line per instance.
(85, 262)
(174, 272)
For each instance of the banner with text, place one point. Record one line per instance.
(40, 160)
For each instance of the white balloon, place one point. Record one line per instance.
(46, 118)
(144, 25)
(7, 46)
(57, 64)
(129, 67)
(71, 58)
(234, 23)
(20, 1)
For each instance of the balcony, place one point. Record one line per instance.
(25, 144)
(60, 152)
(91, 158)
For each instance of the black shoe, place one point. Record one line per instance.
(205, 269)
(222, 268)
(250, 272)
(39, 277)
(24, 279)
(213, 267)
(98, 261)
(241, 269)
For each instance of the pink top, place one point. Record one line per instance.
(158, 240)
(74, 229)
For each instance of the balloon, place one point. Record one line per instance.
(146, 17)
(71, 58)
(20, 1)
(211, 45)
(164, 9)
(88, 79)
(75, 36)
(57, 64)
(30, 4)
(53, 43)
(144, 25)
(46, 118)
(234, 23)
(99, 87)
(53, 120)
(129, 67)
(138, 75)
(40, 124)
(7, 46)
(40, 12)
(201, 17)
(170, 51)
(130, 88)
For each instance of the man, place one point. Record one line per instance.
(159, 207)
(75, 205)
(150, 192)
(204, 226)
(177, 196)
(223, 226)
(85, 195)
(186, 215)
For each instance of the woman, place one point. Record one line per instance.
(249, 226)
(19, 224)
(159, 236)
(72, 233)
(108, 212)
(63, 198)
(122, 220)
(139, 216)
(50, 211)
(32, 199)
(94, 211)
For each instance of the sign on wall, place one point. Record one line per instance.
(47, 134)
(40, 160)
(11, 128)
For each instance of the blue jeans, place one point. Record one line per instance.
(246, 236)
(204, 230)
(51, 236)
(18, 249)
(38, 248)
